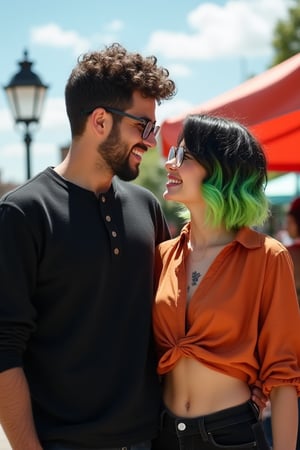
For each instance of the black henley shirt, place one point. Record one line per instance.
(76, 287)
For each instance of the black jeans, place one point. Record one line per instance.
(236, 428)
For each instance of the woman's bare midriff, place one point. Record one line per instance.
(192, 389)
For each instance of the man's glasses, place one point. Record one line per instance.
(149, 126)
(179, 153)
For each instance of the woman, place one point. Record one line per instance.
(225, 315)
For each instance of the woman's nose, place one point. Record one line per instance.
(170, 164)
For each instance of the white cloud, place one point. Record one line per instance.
(53, 35)
(114, 26)
(17, 149)
(6, 120)
(171, 108)
(48, 136)
(12, 150)
(43, 154)
(239, 28)
(110, 33)
(54, 116)
(179, 70)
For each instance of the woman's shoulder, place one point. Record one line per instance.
(274, 245)
(261, 245)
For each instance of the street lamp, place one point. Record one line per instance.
(26, 95)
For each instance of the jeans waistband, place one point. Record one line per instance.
(210, 422)
(56, 446)
(68, 447)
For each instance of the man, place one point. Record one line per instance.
(76, 265)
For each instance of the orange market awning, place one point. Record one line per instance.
(269, 104)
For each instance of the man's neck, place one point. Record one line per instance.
(95, 180)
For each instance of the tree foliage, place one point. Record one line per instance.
(286, 39)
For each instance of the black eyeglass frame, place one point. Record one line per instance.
(149, 126)
(178, 153)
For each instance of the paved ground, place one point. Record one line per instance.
(4, 445)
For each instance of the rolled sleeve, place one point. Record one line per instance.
(279, 337)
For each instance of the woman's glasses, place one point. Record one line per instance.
(177, 153)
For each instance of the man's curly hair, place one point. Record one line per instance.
(109, 78)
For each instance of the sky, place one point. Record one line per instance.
(209, 47)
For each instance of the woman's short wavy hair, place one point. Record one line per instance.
(109, 78)
(234, 189)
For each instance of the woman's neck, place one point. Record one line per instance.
(202, 236)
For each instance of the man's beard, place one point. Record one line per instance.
(116, 154)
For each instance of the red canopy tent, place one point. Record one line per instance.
(269, 104)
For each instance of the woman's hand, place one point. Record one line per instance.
(258, 397)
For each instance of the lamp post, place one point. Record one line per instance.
(26, 95)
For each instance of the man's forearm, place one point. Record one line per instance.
(16, 412)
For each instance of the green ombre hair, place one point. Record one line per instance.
(234, 189)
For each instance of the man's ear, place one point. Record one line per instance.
(101, 121)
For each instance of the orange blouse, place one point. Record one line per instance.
(243, 319)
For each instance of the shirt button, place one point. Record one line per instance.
(114, 234)
(181, 426)
(108, 218)
(116, 251)
(103, 199)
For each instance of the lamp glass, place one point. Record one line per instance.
(26, 102)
